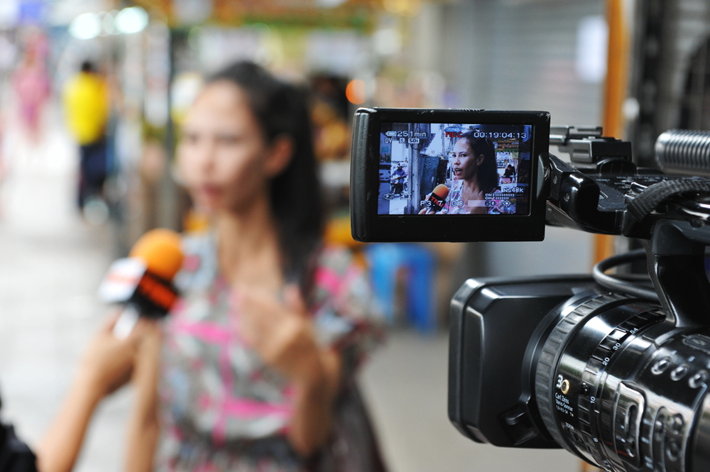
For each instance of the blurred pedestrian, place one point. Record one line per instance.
(32, 89)
(86, 102)
(260, 355)
(397, 180)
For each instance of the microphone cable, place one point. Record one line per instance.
(638, 285)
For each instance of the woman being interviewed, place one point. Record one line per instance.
(260, 351)
(475, 173)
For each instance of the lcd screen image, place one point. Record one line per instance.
(454, 169)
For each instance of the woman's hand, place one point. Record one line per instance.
(108, 361)
(106, 365)
(426, 210)
(281, 332)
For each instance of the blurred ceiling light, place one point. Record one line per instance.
(9, 13)
(131, 20)
(85, 26)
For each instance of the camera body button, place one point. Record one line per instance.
(679, 372)
(661, 366)
(698, 380)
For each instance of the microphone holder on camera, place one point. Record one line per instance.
(589, 150)
(669, 212)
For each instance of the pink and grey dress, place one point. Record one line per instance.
(222, 408)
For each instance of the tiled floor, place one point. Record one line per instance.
(50, 266)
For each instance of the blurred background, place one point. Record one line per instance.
(635, 67)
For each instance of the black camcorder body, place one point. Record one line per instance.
(615, 367)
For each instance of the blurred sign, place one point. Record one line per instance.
(339, 52)
(219, 46)
(592, 36)
(333, 13)
(32, 11)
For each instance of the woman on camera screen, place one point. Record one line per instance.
(474, 170)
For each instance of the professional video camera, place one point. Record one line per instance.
(613, 368)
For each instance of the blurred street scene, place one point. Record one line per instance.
(63, 222)
(53, 262)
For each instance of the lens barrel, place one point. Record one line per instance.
(621, 387)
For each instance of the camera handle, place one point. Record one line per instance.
(676, 263)
(676, 251)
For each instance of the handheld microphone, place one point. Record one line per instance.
(142, 282)
(437, 198)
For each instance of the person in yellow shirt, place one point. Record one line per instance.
(86, 103)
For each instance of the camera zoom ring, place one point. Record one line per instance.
(549, 358)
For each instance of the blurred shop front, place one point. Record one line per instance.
(155, 53)
(410, 53)
(159, 64)
(326, 48)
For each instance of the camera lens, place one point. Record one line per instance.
(620, 386)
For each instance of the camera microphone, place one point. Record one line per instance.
(142, 282)
(437, 198)
(684, 152)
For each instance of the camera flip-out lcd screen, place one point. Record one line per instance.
(448, 175)
(460, 168)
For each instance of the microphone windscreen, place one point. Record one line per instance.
(161, 251)
(441, 191)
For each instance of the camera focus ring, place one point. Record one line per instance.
(550, 353)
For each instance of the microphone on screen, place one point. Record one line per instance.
(142, 282)
(437, 198)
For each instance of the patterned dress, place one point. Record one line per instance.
(222, 408)
(455, 204)
(454, 201)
